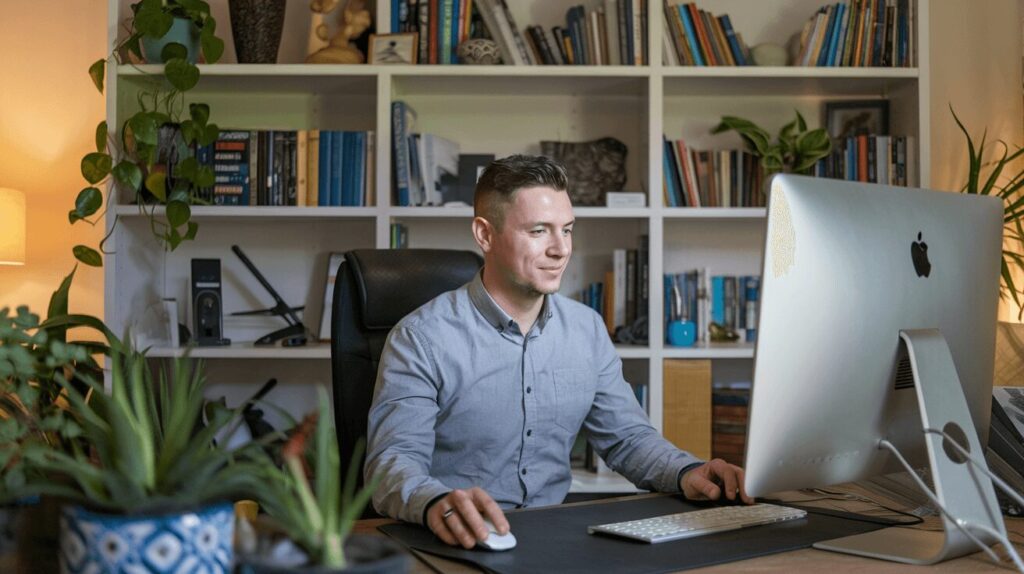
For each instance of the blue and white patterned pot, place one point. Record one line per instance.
(198, 541)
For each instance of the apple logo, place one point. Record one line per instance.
(919, 254)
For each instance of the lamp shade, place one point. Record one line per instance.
(12, 227)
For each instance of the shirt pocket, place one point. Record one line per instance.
(574, 395)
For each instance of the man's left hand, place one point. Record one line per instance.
(707, 481)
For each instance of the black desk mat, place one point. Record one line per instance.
(555, 539)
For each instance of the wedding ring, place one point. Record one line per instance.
(448, 513)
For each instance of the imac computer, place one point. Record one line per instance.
(876, 335)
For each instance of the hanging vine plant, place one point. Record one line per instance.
(151, 156)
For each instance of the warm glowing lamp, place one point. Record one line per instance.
(12, 227)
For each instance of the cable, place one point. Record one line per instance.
(960, 525)
(849, 515)
(983, 467)
(857, 497)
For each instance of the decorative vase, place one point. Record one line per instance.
(183, 31)
(256, 27)
(479, 51)
(199, 541)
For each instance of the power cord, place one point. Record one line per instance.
(841, 496)
(962, 525)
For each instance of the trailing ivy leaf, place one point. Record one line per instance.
(133, 45)
(88, 256)
(189, 131)
(210, 134)
(212, 46)
(181, 74)
(180, 193)
(73, 217)
(101, 137)
(173, 238)
(186, 168)
(95, 167)
(143, 128)
(200, 113)
(156, 183)
(193, 228)
(128, 174)
(88, 202)
(151, 21)
(204, 177)
(96, 71)
(173, 50)
(178, 213)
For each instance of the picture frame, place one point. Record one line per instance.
(856, 117)
(395, 49)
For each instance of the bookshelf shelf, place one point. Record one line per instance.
(497, 110)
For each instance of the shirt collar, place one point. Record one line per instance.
(493, 312)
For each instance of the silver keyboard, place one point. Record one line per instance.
(698, 522)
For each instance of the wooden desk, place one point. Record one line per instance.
(805, 560)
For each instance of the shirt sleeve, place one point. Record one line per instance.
(400, 434)
(621, 432)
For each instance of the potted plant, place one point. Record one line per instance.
(151, 155)
(147, 486)
(315, 514)
(999, 175)
(795, 150)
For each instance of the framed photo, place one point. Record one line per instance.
(393, 48)
(851, 118)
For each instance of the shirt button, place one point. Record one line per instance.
(524, 471)
(529, 390)
(529, 432)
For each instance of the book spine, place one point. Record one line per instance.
(611, 14)
(691, 36)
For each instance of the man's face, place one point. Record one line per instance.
(532, 248)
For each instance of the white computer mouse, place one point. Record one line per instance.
(495, 541)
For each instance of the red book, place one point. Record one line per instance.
(862, 158)
(702, 34)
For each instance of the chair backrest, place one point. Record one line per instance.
(374, 289)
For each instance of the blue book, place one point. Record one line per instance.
(675, 194)
(730, 35)
(400, 149)
(718, 299)
(396, 7)
(452, 58)
(337, 165)
(691, 36)
(823, 54)
(324, 177)
(833, 43)
(360, 191)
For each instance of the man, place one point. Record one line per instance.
(481, 392)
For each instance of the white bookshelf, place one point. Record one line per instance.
(488, 109)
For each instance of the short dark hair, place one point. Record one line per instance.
(500, 181)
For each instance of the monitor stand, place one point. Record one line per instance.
(964, 490)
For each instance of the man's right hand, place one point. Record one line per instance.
(458, 518)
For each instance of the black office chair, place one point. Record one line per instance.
(374, 289)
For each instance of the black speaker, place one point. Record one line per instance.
(207, 305)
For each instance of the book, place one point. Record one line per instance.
(333, 263)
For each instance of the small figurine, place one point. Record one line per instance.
(355, 19)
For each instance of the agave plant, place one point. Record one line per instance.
(1005, 181)
(318, 516)
(142, 446)
(795, 150)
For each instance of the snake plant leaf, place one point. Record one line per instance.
(182, 74)
(87, 255)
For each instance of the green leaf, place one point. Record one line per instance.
(193, 228)
(144, 128)
(88, 202)
(187, 168)
(156, 183)
(209, 135)
(88, 256)
(59, 299)
(212, 46)
(800, 123)
(133, 45)
(973, 159)
(204, 177)
(101, 137)
(95, 167)
(152, 22)
(200, 113)
(127, 173)
(173, 50)
(181, 74)
(178, 213)
(97, 71)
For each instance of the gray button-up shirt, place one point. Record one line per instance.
(464, 398)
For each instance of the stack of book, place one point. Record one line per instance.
(699, 297)
(876, 33)
(717, 178)
(441, 25)
(399, 236)
(623, 296)
(1005, 454)
(695, 37)
(871, 159)
(426, 166)
(290, 168)
(613, 34)
(730, 409)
